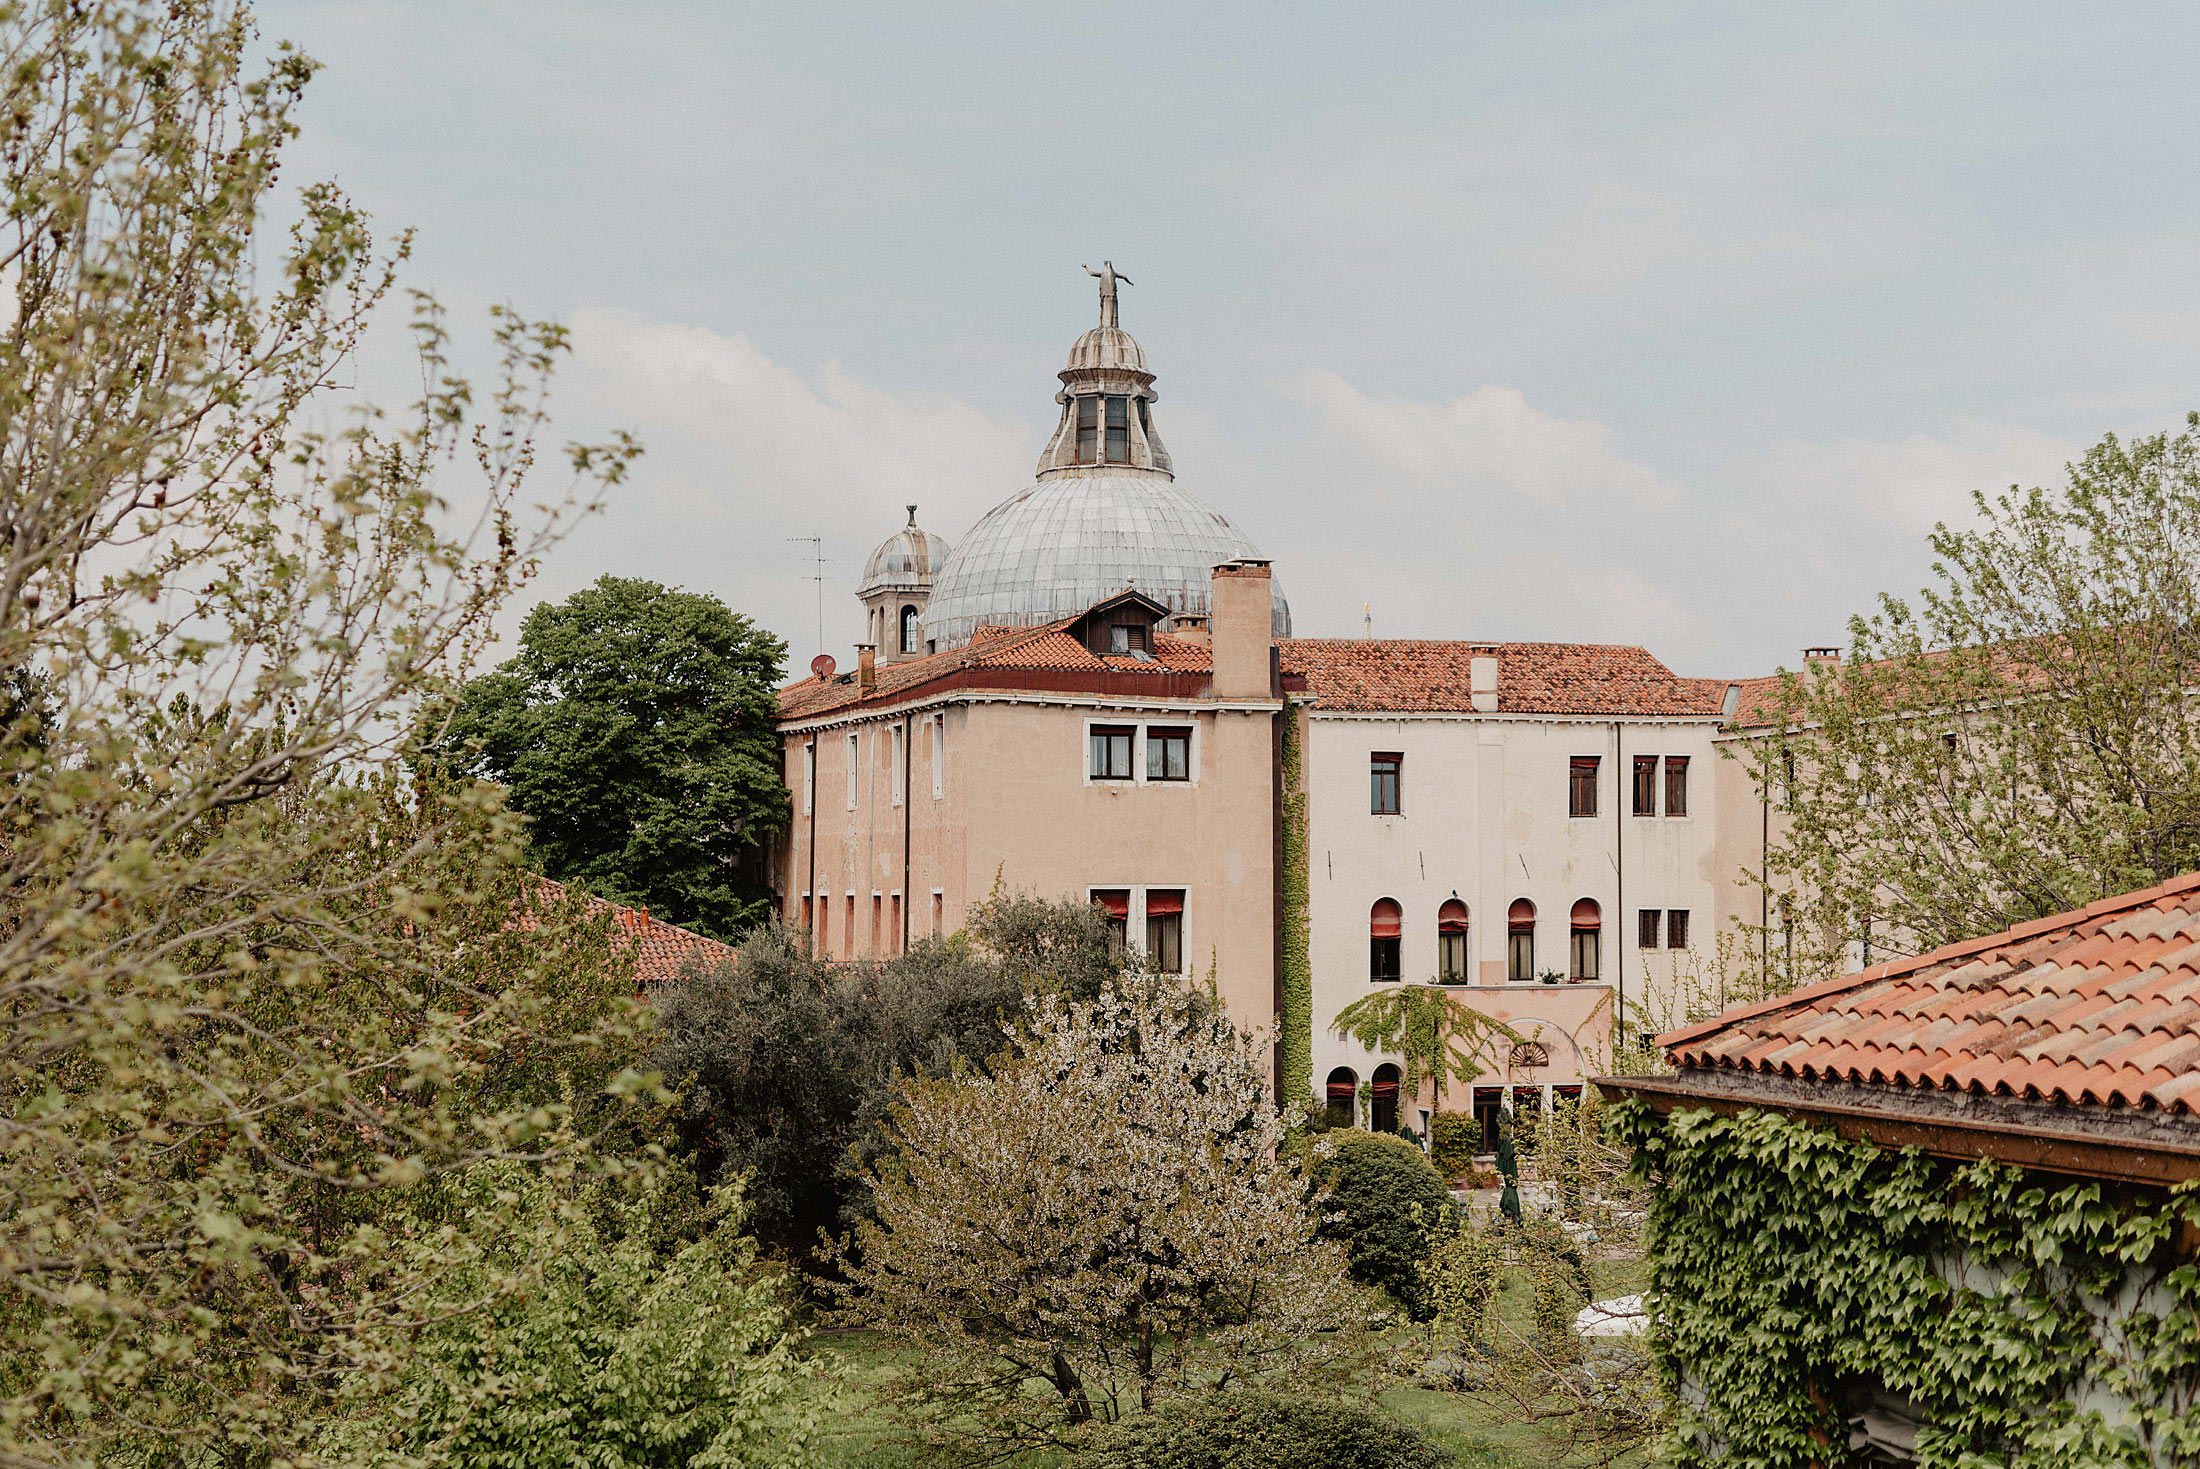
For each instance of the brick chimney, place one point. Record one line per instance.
(1244, 603)
(1482, 678)
(866, 666)
(1192, 627)
(1821, 659)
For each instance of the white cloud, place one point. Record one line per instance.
(1491, 439)
(1914, 483)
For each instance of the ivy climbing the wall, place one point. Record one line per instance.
(2022, 1320)
(1295, 1013)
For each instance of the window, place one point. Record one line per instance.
(1383, 1114)
(1341, 1096)
(1116, 904)
(1119, 430)
(1088, 430)
(1168, 753)
(1382, 780)
(909, 630)
(1676, 928)
(1676, 785)
(809, 776)
(878, 925)
(1584, 927)
(1128, 638)
(1110, 752)
(1646, 928)
(1451, 942)
(1165, 930)
(1489, 1110)
(1385, 930)
(938, 722)
(855, 750)
(1646, 785)
(939, 912)
(1581, 785)
(1520, 940)
(899, 779)
(822, 940)
(848, 931)
(893, 922)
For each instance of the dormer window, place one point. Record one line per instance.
(1119, 430)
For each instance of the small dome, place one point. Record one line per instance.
(1106, 349)
(1064, 544)
(908, 558)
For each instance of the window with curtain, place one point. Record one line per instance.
(1646, 785)
(1341, 1094)
(1676, 785)
(1109, 752)
(1582, 956)
(1168, 753)
(1520, 940)
(1451, 942)
(1165, 930)
(1384, 1109)
(1116, 904)
(1385, 936)
(1581, 785)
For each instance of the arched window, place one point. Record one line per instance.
(909, 629)
(1520, 940)
(1385, 923)
(1582, 954)
(1342, 1097)
(1451, 942)
(1384, 1112)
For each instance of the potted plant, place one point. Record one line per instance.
(1550, 976)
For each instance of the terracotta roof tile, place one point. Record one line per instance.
(1418, 675)
(661, 950)
(2100, 1006)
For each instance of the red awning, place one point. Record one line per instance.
(1163, 901)
(1452, 917)
(1385, 920)
(1521, 914)
(1586, 914)
(1116, 900)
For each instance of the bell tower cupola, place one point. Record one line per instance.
(1107, 400)
(897, 587)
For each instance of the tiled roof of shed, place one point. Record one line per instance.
(1419, 675)
(2098, 1007)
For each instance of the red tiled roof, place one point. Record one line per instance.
(1420, 675)
(2100, 1007)
(661, 950)
(1046, 648)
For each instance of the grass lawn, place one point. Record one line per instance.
(1468, 1427)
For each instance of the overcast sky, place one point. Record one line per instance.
(1677, 325)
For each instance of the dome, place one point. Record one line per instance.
(1058, 547)
(1106, 349)
(908, 558)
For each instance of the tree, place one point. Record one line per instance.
(2019, 742)
(258, 986)
(1098, 1224)
(1434, 1035)
(1379, 1194)
(636, 730)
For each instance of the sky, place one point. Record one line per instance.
(1679, 325)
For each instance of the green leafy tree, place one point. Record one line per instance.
(636, 731)
(2018, 741)
(1098, 1224)
(259, 988)
(1378, 1196)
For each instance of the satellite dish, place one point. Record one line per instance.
(822, 665)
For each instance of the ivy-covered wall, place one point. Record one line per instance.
(2031, 1321)
(1295, 1014)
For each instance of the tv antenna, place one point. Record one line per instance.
(817, 559)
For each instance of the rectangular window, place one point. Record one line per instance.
(1109, 756)
(1676, 928)
(1451, 958)
(1127, 638)
(1165, 930)
(939, 756)
(855, 749)
(808, 924)
(878, 925)
(1676, 785)
(1383, 959)
(1168, 753)
(898, 756)
(1489, 1108)
(1646, 928)
(1520, 952)
(1116, 904)
(1383, 772)
(809, 776)
(1584, 955)
(1088, 430)
(1646, 785)
(848, 931)
(823, 943)
(893, 922)
(1119, 430)
(1581, 785)
(939, 914)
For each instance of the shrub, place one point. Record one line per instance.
(1258, 1430)
(1382, 1195)
(1460, 1279)
(1453, 1140)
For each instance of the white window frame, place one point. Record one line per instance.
(854, 747)
(897, 750)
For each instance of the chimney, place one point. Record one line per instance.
(1482, 678)
(1244, 603)
(1821, 659)
(866, 666)
(1192, 627)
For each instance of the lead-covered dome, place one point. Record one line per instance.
(910, 557)
(1065, 543)
(1105, 514)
